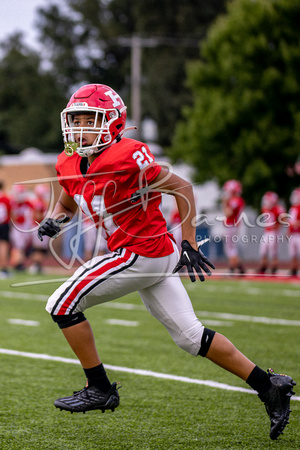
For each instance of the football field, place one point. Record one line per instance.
(169, 399)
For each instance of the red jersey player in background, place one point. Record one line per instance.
(272, 210)
(114, 178)
(233, 205)
(22, 220)
(5, 211)
(40, 205)
(294, 231)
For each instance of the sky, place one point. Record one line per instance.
(20, 15)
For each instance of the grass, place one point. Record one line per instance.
(154, 413)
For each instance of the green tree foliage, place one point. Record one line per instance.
(89, 41)
(245, 118)
(30, 101)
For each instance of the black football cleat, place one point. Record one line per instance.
(89, 399)
(277, 402)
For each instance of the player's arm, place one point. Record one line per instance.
(64, 210)
(182, 190)
(65, 205)
(170, 183)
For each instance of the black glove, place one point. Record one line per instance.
(193, 260)
(50, 227)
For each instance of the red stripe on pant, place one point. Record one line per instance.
(92, 275)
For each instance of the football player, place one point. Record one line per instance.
(5, 213)
(294, 246)
(22, 220)
(40, 207)
(233, 205)
(116, 179)
(271, 208)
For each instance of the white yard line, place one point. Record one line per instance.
(246, 318)
(133, 307)
(225, 316)
(27, 323)
(23, 296)
(251, 290)
(124, 323)
(146, 373)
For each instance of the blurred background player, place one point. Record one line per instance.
(294, 231)
(40, 205)
(233, 205)
(22, 220)
(5, 211)
(269, 242)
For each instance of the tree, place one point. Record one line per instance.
(30, 101)
(244, 122)
(90, 42)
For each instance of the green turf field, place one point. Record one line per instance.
(262, 319)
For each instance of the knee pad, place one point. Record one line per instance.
(206, 341)
(68, 320)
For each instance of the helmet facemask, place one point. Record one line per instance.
(103, 119)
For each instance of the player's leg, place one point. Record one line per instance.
(232, 250)
(38, 254)
(274, 252)
(66, 305)
(297, 253)
(294, 253)
(99, 392)
(19, 242)
(100, 280)
(263, 254)
(170, 304)
(274, 390)
(223, 353)
(4, 250)
(80, 337)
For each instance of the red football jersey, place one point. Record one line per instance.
(113, 189)
(40, 209)
(5, 208)
(273, 216)
(22, 213)
(295, 219)
(235, 205)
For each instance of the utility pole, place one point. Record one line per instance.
(136, 43)
(136, 55)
